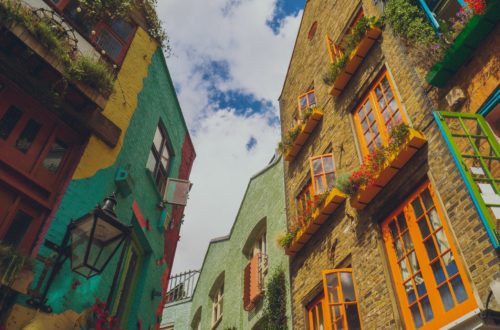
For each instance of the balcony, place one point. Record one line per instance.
(325, 206)
(347, 58)
(39, 52)
(298, 135)
(366, 183)
(254, 281)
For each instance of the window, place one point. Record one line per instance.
(378, 113)
(341, 303)
(476, 151)
(312, 30)
(322, 173)
(114, 38)
(159, 159)
(255, 272)
(217, 304)
(336, 50)
(430, 280)
(315, 316)
(307, 100)
(304, 199)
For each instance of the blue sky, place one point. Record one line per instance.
(228, 64)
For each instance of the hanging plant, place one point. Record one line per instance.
(96, 10)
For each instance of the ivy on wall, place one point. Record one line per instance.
(275, 305)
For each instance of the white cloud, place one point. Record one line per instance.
(233, 32)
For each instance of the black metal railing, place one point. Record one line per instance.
(181, 286)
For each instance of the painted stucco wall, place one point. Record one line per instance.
(264, 198)
(177, 314)
(144, 94)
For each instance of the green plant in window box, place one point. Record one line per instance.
(285, 240)
(306, 113)
(93, 73)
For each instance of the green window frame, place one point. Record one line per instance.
(477, 155)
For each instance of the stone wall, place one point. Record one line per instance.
(353, 238)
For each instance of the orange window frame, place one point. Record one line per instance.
(303, 198)
(337, 303)
(322, 175)
(440, 317)
(377, 113)
(306, 97)
(316, 311)
(335, 50)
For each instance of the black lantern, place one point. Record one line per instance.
(90, 241)
(95, 238)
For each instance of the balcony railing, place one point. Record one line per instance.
(181, 286)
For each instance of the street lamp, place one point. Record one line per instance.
(95, 238)
(90, 241)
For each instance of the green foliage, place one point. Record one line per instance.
(306, 113)
(286, 239)
(349, 43)
(275, 305)
(154, 26)
(96, 10)
(93, 73)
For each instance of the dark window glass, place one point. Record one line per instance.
(55, 156)
(70, 11)
(110, 44)
(9, 121)
(28, 135)
(122, 29)
(17, 229)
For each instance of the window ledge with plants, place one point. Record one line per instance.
(324, 205)
(49, 39)
(381, 166)
(461, 50)
(355, 47)
(298, 135)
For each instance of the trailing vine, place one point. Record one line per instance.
(275, 306)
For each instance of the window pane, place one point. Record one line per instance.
(328, 164)
(165, 157)
(424, 228)
(17, 229)
(434, 219)
(431, 248)
(347, 287)
(151, 164)
(410, 292)
(417, 318)
(442, 241)
(9, 121)
(330, 180)
(352, 317)
(459, 289)
(303, 102)
(417, 208)
(110, 44)
(332, 284)
(398, 246)
(122, 28)
(438, 272)
(317, 169)
(446, 297)
(427, 309)
(407, 241)
(311, 99)
(55, 156)
(28, 135)
(412, 258)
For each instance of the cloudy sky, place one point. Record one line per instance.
(228, 64)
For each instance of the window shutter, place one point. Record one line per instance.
(255, 291)
(247, 305)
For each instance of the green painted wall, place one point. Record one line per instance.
(264, 198)
(177, 314)
(156, 101)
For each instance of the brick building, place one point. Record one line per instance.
(87, 109)
(392, 172)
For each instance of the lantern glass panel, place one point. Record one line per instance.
(80, 237)
(104, 243)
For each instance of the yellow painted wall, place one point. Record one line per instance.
(121, 104)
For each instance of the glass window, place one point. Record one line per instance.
(322, 173)
(430, 281)
(315, 313)
(217, 304)
(477, 154)
(307, 100)
(9, 121)
(28, 135)
(377, 114)
(159, 159)
(304, 200)
(341, 304)
(110, 44)
(17, 229)
(55, 156)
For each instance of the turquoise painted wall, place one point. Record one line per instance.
(264, 198)
(156, 101)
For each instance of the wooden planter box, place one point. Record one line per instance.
(355, 59)
(319, 216)
(306, 130)
(469, 39)
(414, 141)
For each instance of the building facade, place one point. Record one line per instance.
(231, 288)
(392, 169)
(88, 110)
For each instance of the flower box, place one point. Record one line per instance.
(413, 142)
(355, 59)
(462, 49)
(306, 130)
(319, 216)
